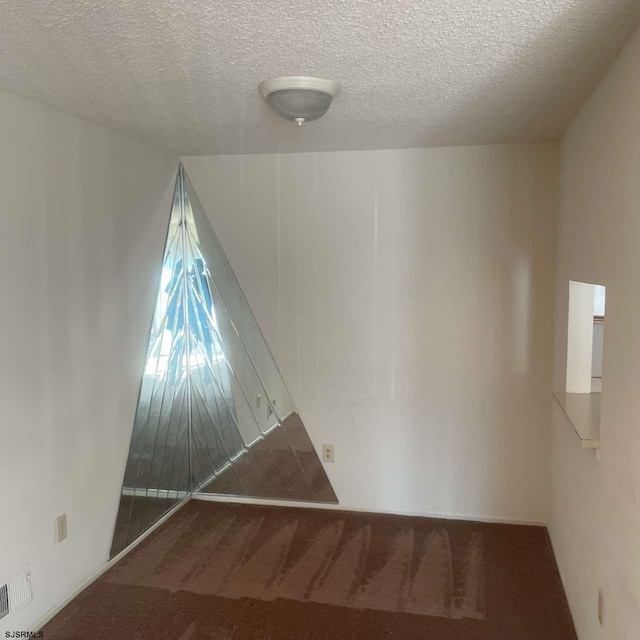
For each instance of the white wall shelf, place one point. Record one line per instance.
(583, 412)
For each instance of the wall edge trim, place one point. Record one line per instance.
(337, 507)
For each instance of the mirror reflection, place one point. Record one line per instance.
(213, 414)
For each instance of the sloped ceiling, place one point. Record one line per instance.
(183, 74)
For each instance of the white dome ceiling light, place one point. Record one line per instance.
(299, 98)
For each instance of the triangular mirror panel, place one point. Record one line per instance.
(214, 414)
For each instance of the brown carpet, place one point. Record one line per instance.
(237, 572)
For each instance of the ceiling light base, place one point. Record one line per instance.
(299, 98)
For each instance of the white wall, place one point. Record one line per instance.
(579, 337)
(407, 296)
(595, 508)
(83, 216)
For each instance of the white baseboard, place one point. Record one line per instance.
(336, 507)
(36, 626)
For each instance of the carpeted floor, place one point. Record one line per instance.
(221, 571)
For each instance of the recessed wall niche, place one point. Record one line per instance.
(585, 347)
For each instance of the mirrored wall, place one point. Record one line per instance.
(214, 414)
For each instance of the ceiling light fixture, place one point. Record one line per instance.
(299, 98)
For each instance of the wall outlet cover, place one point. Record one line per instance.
(328, 453)
(61, 528)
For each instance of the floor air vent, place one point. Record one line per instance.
(15, 592)
(4, 601)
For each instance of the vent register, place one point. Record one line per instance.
(15, 592)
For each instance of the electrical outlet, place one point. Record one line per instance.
(327, 453)
(61, 527)
(601, 607)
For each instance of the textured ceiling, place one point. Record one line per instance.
(183, 74)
